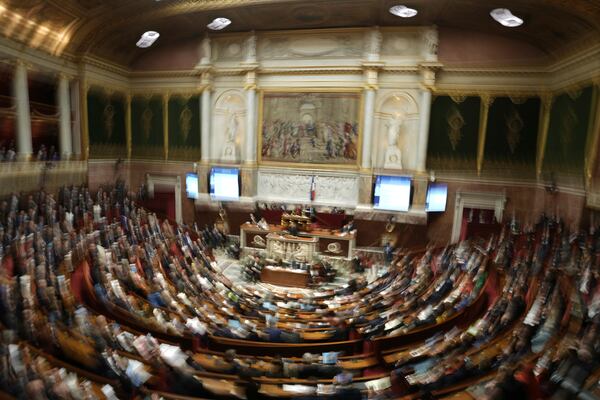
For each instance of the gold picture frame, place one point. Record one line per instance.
(323, 155)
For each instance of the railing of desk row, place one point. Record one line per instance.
(246, 347)
(569, 325)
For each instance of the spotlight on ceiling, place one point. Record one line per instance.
(506, 18)
(219, 23)
(147, 39)
(403, 11)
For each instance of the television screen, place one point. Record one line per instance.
(437, 194)
(392, 193)
(191, 185)
(224, 183)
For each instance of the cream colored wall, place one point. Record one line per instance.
(398, 67)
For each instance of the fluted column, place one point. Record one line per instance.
(65, 142)
(424, 129)
(23, 117)
(206, 114)
(367, 131)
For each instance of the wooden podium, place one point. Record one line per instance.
(285, 276)
(328, 243)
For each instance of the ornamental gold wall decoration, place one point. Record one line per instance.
(514, 126)
(146, 122)
(455, 122)
(185, 121)
(108, 117)
(569, 123)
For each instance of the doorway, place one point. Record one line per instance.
(494, 202)
(164, 194)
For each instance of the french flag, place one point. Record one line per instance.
(313, 189)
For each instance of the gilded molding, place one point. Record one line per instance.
(486, 102)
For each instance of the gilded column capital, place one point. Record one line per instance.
(20, 63)
(250, 81)
(486, 100)
(371, 78)
(60, 76)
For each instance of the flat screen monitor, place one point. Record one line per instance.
(224, 183)
(437, 194)
(191, 185)
(392, 193)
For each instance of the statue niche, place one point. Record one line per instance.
(228, 126)
(396, 124)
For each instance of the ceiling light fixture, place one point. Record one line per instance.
(506, 18)
(147, 39)
(219, 23)
(403, 11)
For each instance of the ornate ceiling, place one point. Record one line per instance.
(110, 28)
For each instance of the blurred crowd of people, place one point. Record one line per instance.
(538, 337)
(8, 153)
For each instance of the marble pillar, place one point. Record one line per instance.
(23, 113)
(424, 129)
(367, 132)
(205, 129)
(250, 153)
(65, 141)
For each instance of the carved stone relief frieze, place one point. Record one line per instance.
(229, 49)
(400, 44)
(310, 46)
(340, 190)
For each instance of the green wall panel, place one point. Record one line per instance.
(147, 127)
(184, 128)
(106, 124)
(567, 134)
(453, 133)
(512, 133)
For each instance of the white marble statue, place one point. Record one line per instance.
(393, 155)
(229, 152)
(232, 128)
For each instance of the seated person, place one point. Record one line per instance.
(344, 389)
